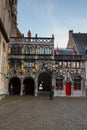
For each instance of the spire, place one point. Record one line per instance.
(74, 52)
(57, 50)
(29, 34)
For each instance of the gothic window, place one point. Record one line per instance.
(17, 63)
(50, 51)
(77, 84)
(41, 50)
(65, 64)
(29, 63)
(13, 50)
(26, 50)
(19, 50)
(26, 63)
(69, 64)
(77, 64)
(12, 63)
(32, 50)
(59, 84)
(46, 50)
(60, 64)
(74, 64)
(81, 64)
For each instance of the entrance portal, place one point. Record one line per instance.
(29, 86)
(14, 86)
(68, 89)
(44, 82)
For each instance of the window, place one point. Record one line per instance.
(17, 63)
(60, 64)
(32, 50)
(81, 64)
(74, 64)
(41, 50)
(28, 63)
(77, 64)
(13, 50)
(47, 50)
(26, 50)
(69, 64)
(65, 64)
(77, 84)
(59, 84)
(12, 63)
(19, 50)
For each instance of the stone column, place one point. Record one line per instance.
(36, 87)
(53, 82)
(21, 92)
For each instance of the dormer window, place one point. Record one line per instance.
(85, 50)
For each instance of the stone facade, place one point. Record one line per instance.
(35, 68)
(78, 41)
(31, 65)
(8, 14)
(70, 74)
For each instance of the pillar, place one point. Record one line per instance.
(21, 92)
(36, 87)
(53, 82)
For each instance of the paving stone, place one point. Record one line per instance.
(40, 113)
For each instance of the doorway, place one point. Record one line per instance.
(44, 82)
(68, 89)
(14, 86)
(29, 86)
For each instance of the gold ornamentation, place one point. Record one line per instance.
(9, 68)
(34, 70)
(22, 50)
(22, 69)
(9, 50)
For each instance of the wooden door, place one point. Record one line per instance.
(68, 89)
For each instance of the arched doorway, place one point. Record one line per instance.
(29, 86)
(44, 82)
(14, 86)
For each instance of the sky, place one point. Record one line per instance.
(47, 17)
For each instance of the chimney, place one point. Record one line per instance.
(29, 34)
(70, 31)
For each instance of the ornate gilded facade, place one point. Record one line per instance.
(31, 65)
(35, 67)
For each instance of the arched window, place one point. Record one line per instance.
(26, 50)
(46, 50)
(41, 50)
(13, 50)
(32, 50)
(19, 50)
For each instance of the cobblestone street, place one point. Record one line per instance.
(40, 113)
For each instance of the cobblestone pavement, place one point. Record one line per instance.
(40, 113)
